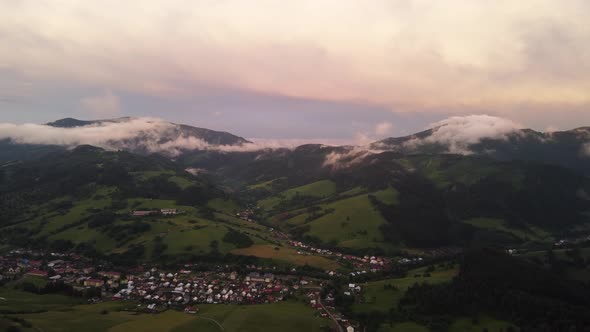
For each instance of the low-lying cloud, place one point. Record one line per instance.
(353, 156)
(149, 135)
(457, 134)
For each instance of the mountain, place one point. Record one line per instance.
(358, 200)
(82, 198)
(426, 190)
(570, 148)
(11, 152)
(155, 132)
(138, 135)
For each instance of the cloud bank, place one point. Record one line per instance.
(340, 160)
(408, 55)
(455, 134)
(459, 132)
(149, 135)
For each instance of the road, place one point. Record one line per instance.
(340, 329)
(214, 321)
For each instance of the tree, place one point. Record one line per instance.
(214, 245)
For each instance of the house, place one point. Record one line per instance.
(37, 273)
(169, 212)
(55, 263)
(93, 283)
(191, 310)
(142, 213)
(255, 277)
(111, 275)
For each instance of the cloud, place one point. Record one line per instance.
(150, 135)
(458, 133)
(291, 143)
(140, 134)
(104, 106)
(551, 129)
(408, 55)
(383, 128)
(352, 156)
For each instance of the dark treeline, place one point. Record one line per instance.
(533, 298)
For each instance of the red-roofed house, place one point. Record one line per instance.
(37, 273)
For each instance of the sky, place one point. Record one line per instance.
(334, 70)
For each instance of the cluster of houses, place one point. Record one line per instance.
(246, 215)
(153, 287)
(362, 264)
(163, 212)
(69, 269)
(185, 288)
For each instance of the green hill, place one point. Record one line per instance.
(83, 199)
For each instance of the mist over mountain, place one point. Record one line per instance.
(496, 138)
(141, 135)
(483, 135)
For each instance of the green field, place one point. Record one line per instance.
(531, 233)
(108, 316)
(481, 323)
(18, 301)
(354, 224)
(387, 196)
(285, 316)
(180, 181)
(224, 205)
(467, 171)
(318, 189)
(403, 327)
(38, 282)
(287, 255)
(377, 298)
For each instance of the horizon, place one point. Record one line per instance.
(454, 131)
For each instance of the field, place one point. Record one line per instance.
(18, 301)
(224, 205)
(38, 282)
(353, 224)
(186, 233)
(467, 171)
(285, 316)
(387, 196)
(65, 315)
(318, 189)
(403, 327)
(482, 323)
(377, 298)
(531, 233)
(287, 255)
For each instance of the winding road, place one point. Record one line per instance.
(340, 329)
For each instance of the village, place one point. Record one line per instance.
(155, 290)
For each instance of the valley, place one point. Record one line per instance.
(367, 237)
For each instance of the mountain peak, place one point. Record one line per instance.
(69, 123)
